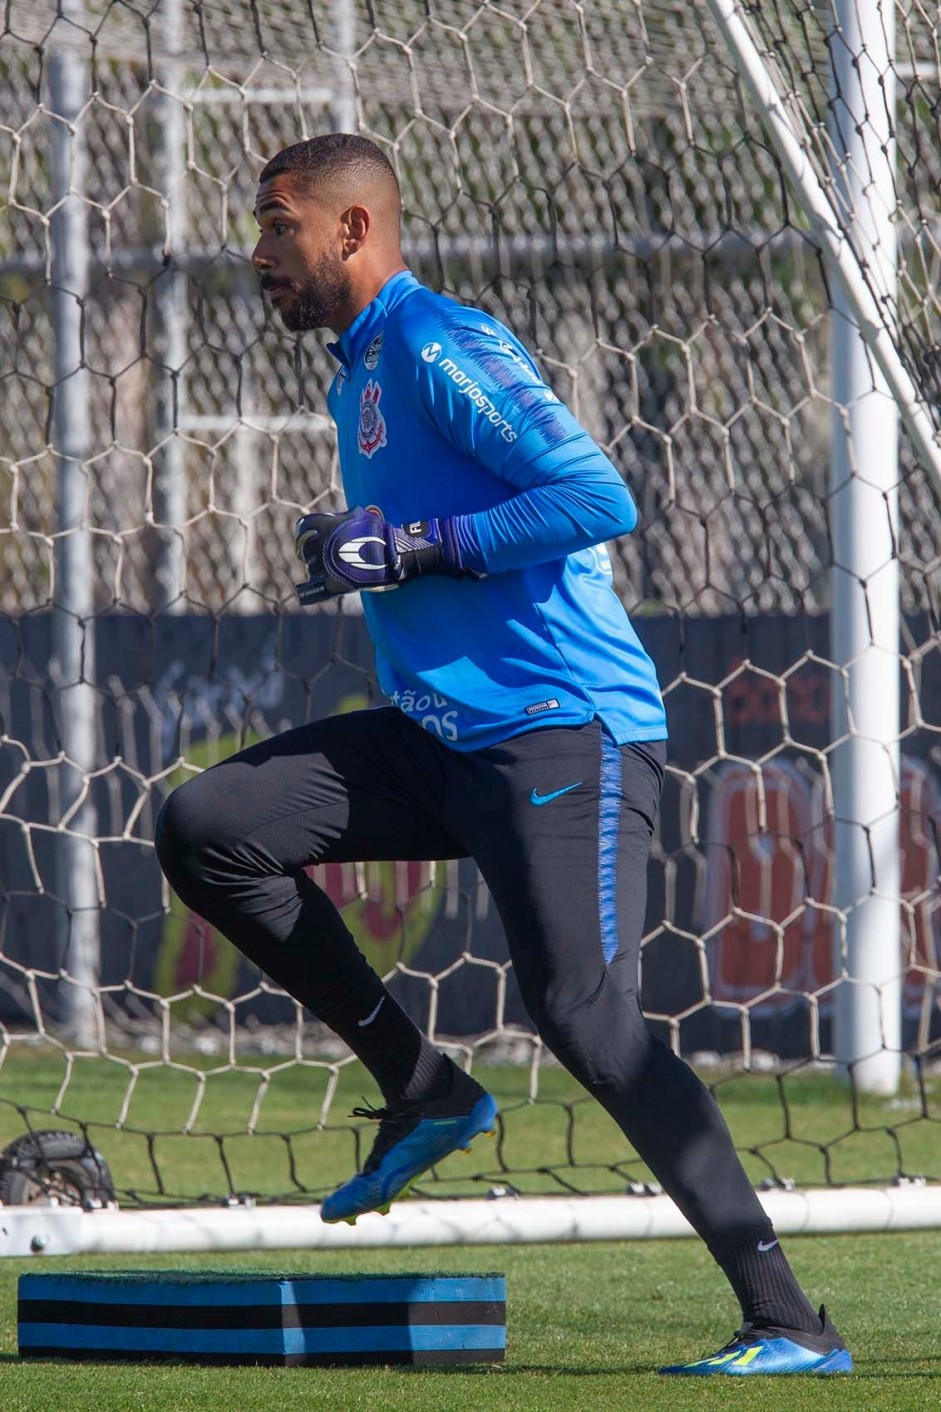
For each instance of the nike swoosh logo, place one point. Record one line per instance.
(372, 1014)
(535, 798)
(767, 1244)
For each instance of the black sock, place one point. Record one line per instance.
(766, 1287)
(403, 1062)
(321, 966)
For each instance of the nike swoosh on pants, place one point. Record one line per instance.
(535, 798)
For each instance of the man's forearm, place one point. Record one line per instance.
(546, 522)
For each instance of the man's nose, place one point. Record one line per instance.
(260, 261)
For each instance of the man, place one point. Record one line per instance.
(526, 731)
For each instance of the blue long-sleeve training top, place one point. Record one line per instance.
(441, 411)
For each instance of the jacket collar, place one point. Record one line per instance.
(356, 339)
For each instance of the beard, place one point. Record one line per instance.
(317, 300)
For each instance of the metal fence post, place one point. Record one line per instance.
(170, 316)
(73, 600)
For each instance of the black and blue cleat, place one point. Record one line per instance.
(412, 1137)
(771, 1350)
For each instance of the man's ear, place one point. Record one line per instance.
(356, 222)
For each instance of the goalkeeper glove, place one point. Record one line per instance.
(359, 550)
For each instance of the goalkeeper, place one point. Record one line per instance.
(526, 730)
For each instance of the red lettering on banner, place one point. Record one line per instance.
(755, 700)
(808, 696)
(919, 820)
(768, 940)
(391, 889)
(757, 879)
(752, 700)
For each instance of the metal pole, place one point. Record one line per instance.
(864, 613)
(73, 600)
(170, 316)
(343, 42)
(245, 454)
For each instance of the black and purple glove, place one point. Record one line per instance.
(359, 550)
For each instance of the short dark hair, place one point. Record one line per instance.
(333, 155)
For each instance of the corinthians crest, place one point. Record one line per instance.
(372, 424)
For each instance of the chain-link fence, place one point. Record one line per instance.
(590, 174)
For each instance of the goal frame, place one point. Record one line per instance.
(870, 376)
(42, 1230)
(872, 387)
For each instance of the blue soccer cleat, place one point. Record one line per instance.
(412, 1137)
(773, 1350)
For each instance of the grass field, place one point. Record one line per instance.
(587, 1324)
(187, 1127)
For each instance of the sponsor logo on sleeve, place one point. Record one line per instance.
(470, 388)
(431, 352)
(371, 356)
(372, 424)
(525, 368)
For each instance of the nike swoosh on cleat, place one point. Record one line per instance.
(766, 1245)
(535, 798)
(372, 1014)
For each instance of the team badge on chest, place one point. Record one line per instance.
(372, 424)
(371, 356)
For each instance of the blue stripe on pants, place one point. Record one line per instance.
(609, 818)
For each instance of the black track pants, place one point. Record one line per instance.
(559, 822)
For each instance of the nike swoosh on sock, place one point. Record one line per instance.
(372, 1014)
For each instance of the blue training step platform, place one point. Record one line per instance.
(222, 1317)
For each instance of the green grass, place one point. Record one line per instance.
(587, 1325)
(803, 1125)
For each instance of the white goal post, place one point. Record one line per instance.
(864, 627)
(39, 1230)
(864, 466)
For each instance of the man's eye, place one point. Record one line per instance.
(279, 227)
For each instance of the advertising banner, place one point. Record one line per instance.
(740, 917)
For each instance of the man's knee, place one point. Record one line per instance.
(596, 1031)
(189, 826)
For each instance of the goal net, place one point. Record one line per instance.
(719, 229)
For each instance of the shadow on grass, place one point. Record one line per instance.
(882, 1370)
(473, 1370)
